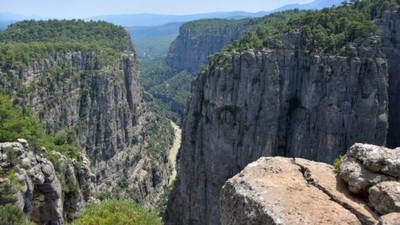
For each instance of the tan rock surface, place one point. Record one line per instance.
(287, 191)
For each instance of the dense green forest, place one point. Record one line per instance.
(23, 41)
(331, 29)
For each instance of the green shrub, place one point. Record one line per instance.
(337, 162)
(12, 157)
(12, 215)
(16, 123)
(123, 183)
(112, 212)
(8, 189)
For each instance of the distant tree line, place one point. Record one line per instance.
(330, 29)
(23, 41)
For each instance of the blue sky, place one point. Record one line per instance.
(89, 8)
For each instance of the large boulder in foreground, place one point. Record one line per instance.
(290, 191)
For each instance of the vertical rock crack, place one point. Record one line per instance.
(311, 181)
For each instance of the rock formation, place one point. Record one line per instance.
(199, 39)
(287, 101)
(291, 191)
(276, 190)
(100, 103)
(31, 182)
(374, 172)
(389, 29)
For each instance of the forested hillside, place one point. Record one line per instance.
(80, 80)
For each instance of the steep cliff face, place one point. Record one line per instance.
(31, 181)
(72, 90)
(101, 104)
(199, 39)
(286, 101)
(93, 91)
(389, 29)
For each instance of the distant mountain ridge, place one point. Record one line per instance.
(148, 19)
(317, 4)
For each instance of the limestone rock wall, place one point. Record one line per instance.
(288, 101)
(389, 29)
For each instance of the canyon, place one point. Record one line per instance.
(261, 112)
(282, 101)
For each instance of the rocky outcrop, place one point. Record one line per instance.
(373, 171)
(287, 101)
(276, 190)
(199, 39)
(30, 180)
(290, 191)
(389, 29)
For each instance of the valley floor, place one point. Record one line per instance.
(174, 150)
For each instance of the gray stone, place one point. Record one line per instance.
(389, 27)
(22, 141)
(26, 162)
(48, 171)
(377, 159)
(390, 219)
(358, 177)
(385, 197)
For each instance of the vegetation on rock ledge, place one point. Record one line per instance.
(110, 212)
(19, 123)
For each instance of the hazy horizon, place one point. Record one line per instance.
(81, 9)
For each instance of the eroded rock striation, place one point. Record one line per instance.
(286, 101)
(31, 181)
(74, 90)
(389, 29)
